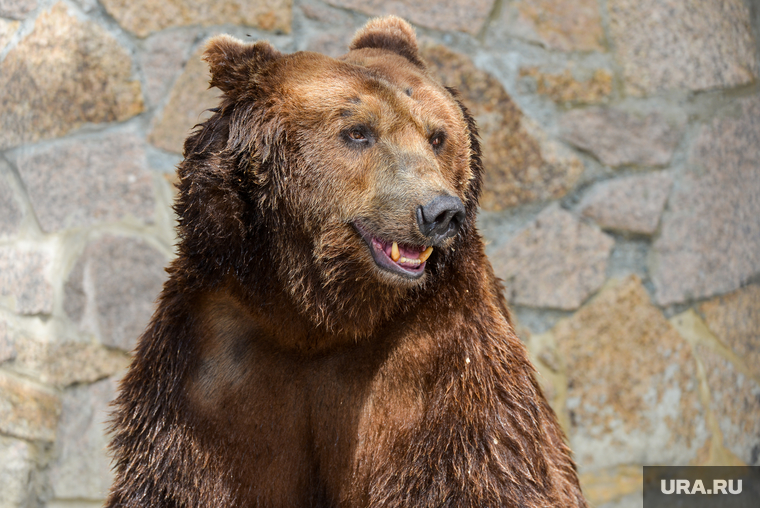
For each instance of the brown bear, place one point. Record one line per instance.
(332, 333)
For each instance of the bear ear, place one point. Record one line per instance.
(233, 63)
(390, 33)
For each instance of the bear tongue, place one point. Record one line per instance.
(404, 251)
(410, 252)
(409, 256)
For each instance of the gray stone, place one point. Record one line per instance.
(735, 319)
(565, 25)
(331, 44)
(325, 14)
(143, 17)
(11, 212)
(16, 9)
(164, 56)
(87, 6)
(618, 138)
(114, 287)
(445, 15)
(710, 235)
(16, 469)
(735, 400)
(75, 296)
(24, 276)
(635, 500)
(7, 31)
(7, 344)
(692, 45)
(629, 257)
(556, 262)
(567, 89)
(64, 363)
(632, 391)
(633, 204)
(189, 101)
(82, 469)
(80, 183)
(612, 487)
(27, 411)
(62, 75)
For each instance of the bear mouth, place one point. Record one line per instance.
(401, 259)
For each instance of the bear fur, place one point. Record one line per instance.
(292, 361)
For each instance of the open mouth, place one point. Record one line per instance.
(401, 259)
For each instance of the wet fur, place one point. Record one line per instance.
(281, 368)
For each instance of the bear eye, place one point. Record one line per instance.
(358, 136)
(437, 140)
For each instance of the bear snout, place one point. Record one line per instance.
(441, 218)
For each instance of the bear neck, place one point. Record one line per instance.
(297, 309)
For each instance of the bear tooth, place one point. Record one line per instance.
(395, 255)
(415, 262)
(426, 254)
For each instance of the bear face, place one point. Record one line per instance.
(364, 163)
(386, 149)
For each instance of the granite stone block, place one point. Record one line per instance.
(25, 277)
(448, 15)
(189, 100)
(683, 44)
(735, 400)
(618, 138)
(82, 469)
(64, 74)
(709, 242)
(632, 392)
(735, 319)
(143, 17)
(631, 204)
(27, 411)
(111, 291)
(11, 211)
(564, 25)
(79, 183)
(556, 262)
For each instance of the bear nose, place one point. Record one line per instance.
(441, 218)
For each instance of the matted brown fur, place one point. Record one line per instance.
(285, 368)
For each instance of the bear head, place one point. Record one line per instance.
(344, 188)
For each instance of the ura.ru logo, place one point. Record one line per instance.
(685, 487)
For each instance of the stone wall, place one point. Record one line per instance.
(621, 205)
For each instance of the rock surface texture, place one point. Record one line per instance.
(563, 25)
(448, 15)
(718, 195)
(79, 183)
(556, 262)
(617, 138)
(143, 17)
(691, 44)
(62, 75)
(631, 204)
(621, 343)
